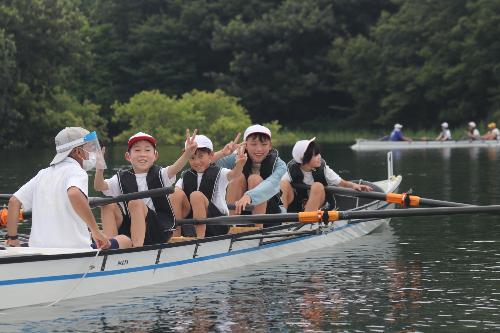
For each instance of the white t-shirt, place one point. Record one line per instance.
(54, 221)
(219, 194)
(332, 178)
(496, 133)
(142, 185)
(446, 134)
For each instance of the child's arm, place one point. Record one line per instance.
(269, 186)
(241, 159)
(191, 146)
(228, 149)
(99, 183)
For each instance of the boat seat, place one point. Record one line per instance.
(238, 229)
(178, 239)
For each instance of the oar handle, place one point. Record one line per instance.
(157, 192)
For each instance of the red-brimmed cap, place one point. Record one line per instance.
(141, 136)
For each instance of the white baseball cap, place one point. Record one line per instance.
(300, 148)
(472, 124)
(398, 126)
(203, 142)
(444, 125)
(256, 129)
(67, 139)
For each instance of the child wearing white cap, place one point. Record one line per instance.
(58, 196)
(203, 188)
(262, 172)
(445, 134)
(307, 167)
(149, 220)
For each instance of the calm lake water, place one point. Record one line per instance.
(432, 274)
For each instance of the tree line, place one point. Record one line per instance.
(308, 64)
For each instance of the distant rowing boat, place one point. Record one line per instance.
(362, 144)
(30, 276)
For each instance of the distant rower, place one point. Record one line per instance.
(445, 133)
(397, 134)
(473, 132)
(493, 132)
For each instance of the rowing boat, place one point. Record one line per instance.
(30, 276)
(362, 144)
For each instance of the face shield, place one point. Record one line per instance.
(94, 157)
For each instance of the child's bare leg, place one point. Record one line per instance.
(287, 193)
(138, 212)
(235, 190)
(199, 204)
(253, 181)
(316, 197)
(111, 218)
(180, 206)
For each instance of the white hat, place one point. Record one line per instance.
(203, 142)
(300, 148)
(256, 129)
(472, 124)
(66, 140)
(444, 125)
(398, 126)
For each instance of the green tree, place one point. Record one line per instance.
(215, 114)
(51, 50)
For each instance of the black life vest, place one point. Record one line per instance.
(208, 182)
(266, 169)
(297, 176)
(163, 208)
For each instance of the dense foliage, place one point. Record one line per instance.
(309, 64)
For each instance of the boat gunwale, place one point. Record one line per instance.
(233, 237)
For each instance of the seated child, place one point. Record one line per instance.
(262, 172)
(307, 167)
(145, 221)
(204, 187)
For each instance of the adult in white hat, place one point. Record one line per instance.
(397, 134)
(309, 168)
(472, 131)
(445, 133)
(58, 196)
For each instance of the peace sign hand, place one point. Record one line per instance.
(191, 144)
(241, 157)
(231, 146)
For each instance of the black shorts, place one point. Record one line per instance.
(188, 230)
(154, 232)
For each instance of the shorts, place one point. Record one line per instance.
(188, 230)
(154, 232)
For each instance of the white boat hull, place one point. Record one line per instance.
(31, 276)
(362, 145)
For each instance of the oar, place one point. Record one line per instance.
(333, 215)
(157, 192)
(403, 199)
(101, 201)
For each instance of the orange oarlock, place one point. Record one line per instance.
(4, 213)
(403, 199)
(3, 217)
(317, 216)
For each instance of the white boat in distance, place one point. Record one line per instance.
(362, 144)
(30, 276)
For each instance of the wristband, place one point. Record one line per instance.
(11, 237)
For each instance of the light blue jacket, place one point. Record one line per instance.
(269, 186)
